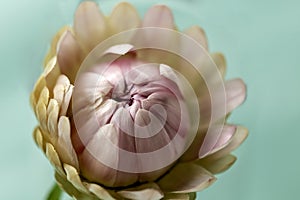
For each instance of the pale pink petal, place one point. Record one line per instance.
(236, 93)
(185, 178)
(69, 55)
(159, 16)
(215, 141)
(92, 157)
(198, 35)
(124, 17)
(89, 25)
(238, 138)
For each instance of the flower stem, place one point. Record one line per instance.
(55, 193)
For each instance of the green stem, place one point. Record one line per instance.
(55, 193)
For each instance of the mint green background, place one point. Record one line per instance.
(260, 39)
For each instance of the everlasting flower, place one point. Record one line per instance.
(133, 109)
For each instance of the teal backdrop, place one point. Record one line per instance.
(261, 41)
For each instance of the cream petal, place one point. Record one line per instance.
(150, 191)
(65, 147)
(71, 190)
(41, 114)
(69, 55)
(100, 192)
(220, 61)
(53, 157)
(60, 88)
(44, 96)
(124, 17)
(38, 87)
(198, 35)
(73, 177)
(38, 138)
(89, 25)
(219, 165)
(238, 138)
(66, 100)
(235, 92)
(214, 141)
(159, 16)
(51, 73)
(185, 178)
(52, 111)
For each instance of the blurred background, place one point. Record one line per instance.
(261, 41)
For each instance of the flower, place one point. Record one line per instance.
(127, 113)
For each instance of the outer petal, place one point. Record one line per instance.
(236, 93)
(215, 141)
(238, 138)
(186, 178)
(219, 165)
(220, 61)
(198, 35)
(159, 16)
(52, 52)
(124, 17)
(69, 55)
(149, 191)
(89, 25)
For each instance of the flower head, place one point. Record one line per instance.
(134, 109)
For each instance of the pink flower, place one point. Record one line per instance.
(139, 114)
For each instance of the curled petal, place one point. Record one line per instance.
(186, 178)
(124, 17)
(150, 191)
(89, 25)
